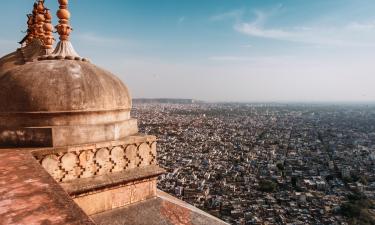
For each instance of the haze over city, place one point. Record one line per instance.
(164, 112)
(218, 50)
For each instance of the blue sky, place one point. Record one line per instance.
(223, 50)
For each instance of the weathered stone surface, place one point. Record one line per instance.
(51, 165)
(58, 136)
(108, 199)
(162, 210)
(118, 158)
(144, 157)
(103, 161)
(86, 162)
(74, 118)
(104, 158)
(10, 61)
(130, 154)
(31, 137)
(87, 186)
(61, 86)
(54, 103)
(69, 164)
(83, 134)
(28, 195)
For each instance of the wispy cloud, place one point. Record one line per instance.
(234, 15)
(259, 59)
(369, 26)
(230, 58)
(252, 29)
(94, 39)
(181, 19)
(247, 46)
(317, 36)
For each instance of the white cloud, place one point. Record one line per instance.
(321, 36)
(234, 14)
(369, 26)
(252, 29)
(230, 58)
(259, 60)
(95, 39)
(247, 46)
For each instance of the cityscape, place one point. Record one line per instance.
(267, 163)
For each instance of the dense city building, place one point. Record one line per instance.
(265, 163)
(70, 153)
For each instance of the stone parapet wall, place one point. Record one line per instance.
(71, 163)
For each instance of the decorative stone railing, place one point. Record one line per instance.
(71, 163)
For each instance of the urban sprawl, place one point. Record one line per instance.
(267, 163)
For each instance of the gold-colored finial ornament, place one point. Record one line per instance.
(39, 20)
(30, 30)
(36, 24)
(39, 39)
(31, 27)
(64, 49)
(63, 28)
(48, 32)
(35, 43)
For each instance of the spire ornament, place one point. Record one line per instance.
(32, 45)
(48, 30)
(34, 24)
(39, 20)
(63, 28)
(31, 26)
(64, 49)
(29, 33)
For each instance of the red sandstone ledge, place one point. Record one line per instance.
(29, 195)
(107, 181)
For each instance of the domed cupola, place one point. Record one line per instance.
(62, 115)
(57, 98)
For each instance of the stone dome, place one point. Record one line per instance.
(55, 98)
(61, 86)
(60, 102)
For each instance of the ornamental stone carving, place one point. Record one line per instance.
(88, 162)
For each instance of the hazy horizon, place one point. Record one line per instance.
(221, 50)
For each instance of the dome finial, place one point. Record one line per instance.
(35, 23)
(63, 28)
(64, 49)
(39, 20)
(31, 26)
(30, 30)
(48, 29)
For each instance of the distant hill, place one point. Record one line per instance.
(165, 100)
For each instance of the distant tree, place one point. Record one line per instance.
(267, 186)
(347, 179)
(363, 180)
(357, 210)
(329, 177)
(350, 210)
(294, 181)
(280, 166)
(356, 196)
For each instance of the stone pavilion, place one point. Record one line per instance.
(70, 153)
